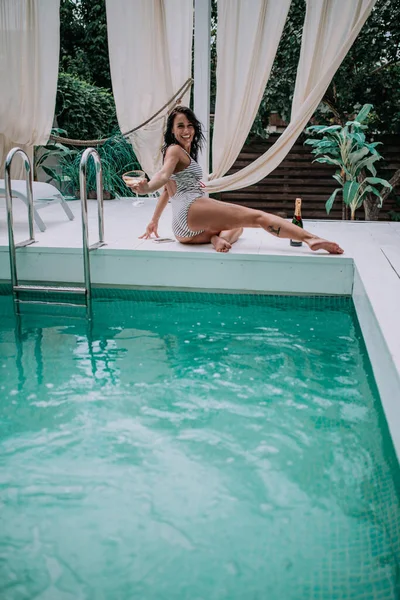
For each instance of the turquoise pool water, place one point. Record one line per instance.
(194, 447)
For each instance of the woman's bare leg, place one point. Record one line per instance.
(210, 214)
(201, 238)
(231, 235)
(221, 241)
(224, 240)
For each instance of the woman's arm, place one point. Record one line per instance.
(172, 158)
(152, 227)
(161, 204)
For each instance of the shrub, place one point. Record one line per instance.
(84, 110)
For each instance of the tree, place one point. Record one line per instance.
(278, 94)
(370, 73)
(95, 41)
(72, 55)
(83, 41)
(85, 105)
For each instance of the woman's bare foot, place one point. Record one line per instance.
(317, 243)
(220, 244)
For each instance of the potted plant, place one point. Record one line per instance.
(116, 156)
(347, 148)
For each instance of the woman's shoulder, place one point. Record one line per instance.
(175, 150)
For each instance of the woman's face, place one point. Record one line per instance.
(183, 130)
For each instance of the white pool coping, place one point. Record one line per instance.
(369, 270)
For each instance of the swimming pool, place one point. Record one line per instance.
(195, 446)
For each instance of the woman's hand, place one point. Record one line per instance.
(151, 228)
(140, 187)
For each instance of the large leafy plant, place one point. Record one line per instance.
(54, 150)
(116, 156)
(347, 148)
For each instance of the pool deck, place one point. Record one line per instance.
(369, 270)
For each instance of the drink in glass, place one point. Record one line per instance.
(133, 177)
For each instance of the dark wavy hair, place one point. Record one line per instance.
(169, 137)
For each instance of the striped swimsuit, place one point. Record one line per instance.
(188, 189)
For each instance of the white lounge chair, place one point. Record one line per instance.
(43, 195)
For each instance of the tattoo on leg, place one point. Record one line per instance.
(274, 231)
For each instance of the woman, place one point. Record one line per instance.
(198, 219)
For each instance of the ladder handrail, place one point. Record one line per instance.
(100, 206)
(86, 290)
(10, 221)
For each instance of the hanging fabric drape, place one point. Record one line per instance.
(330, 28)
(29, 54)
(150, 44)
(248, 35)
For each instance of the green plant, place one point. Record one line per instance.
(116, 156)
(347, 148)
(84, 110)
(56, 149)
(83, 41)
(369, 73)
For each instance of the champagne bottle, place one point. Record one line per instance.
(297, 220)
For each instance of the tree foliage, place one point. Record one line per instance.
(95, 41)
(85, 105)
(370, 73)
(278, 94)
(72, 58)
(85, 111)
(83, 41)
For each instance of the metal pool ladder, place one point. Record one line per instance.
(83, 290)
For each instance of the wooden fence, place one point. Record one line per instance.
(298, 176)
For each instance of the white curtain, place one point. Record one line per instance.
(248, 35)
(150, 44)
(330, 28)
(29, 55)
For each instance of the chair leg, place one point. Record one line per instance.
(67, 209)
(39, 221)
